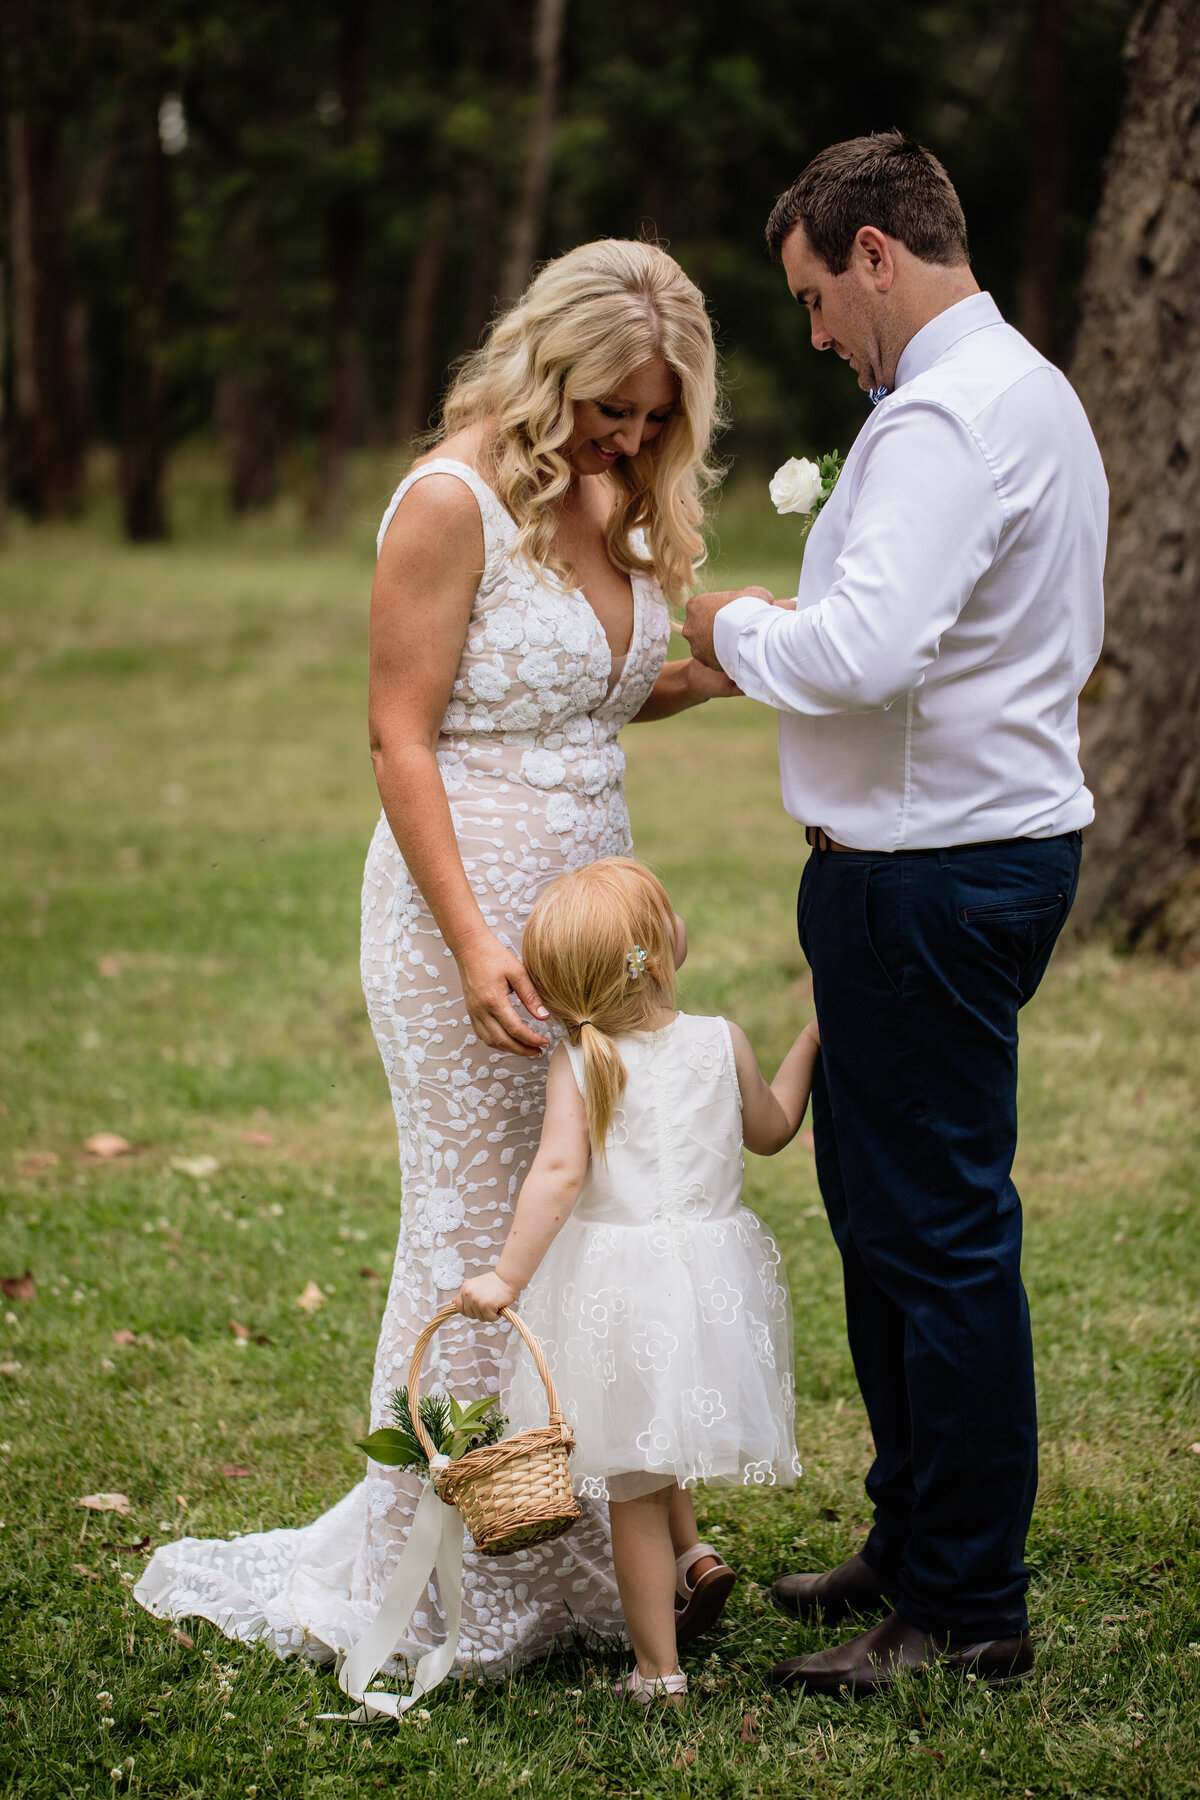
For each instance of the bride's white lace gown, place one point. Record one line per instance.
(531, 764)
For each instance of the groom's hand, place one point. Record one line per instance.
(702, 609)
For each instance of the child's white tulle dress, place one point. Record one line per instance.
(662, 1304)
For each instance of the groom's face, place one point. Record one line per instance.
(843, 310)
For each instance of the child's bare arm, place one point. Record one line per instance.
(771, 1114)
(548, 1195)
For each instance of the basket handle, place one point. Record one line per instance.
(422, 1344)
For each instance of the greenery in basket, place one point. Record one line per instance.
(453, 1430)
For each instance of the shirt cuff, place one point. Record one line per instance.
(728, 626)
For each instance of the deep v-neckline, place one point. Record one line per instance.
(625, 657)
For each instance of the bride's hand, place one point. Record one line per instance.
(491, 975)
(704, 683)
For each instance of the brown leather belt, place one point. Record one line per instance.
(820, 840)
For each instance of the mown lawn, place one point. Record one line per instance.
(187, 801)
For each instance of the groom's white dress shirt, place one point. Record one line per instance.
(950, 606)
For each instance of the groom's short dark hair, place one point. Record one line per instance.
(886, 180)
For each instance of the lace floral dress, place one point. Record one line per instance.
(662, 1305)
(533, 771)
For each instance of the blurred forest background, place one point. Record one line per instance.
(280, 223)
(268, 230)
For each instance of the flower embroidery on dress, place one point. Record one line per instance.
(654, 1347)
(705, 1405)
(705, 1060)
(758, 1474)
(657, 1443)
(720, 1304)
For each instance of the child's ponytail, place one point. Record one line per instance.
(604, 1078)
(599, 949)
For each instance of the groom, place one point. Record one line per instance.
(926, 679)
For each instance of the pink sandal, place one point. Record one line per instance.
(644, 1690)
(699, 1604)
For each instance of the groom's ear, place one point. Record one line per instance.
(874, 258)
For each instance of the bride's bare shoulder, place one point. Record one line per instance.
(442, 502)
(465, 446)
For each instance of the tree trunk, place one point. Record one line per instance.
(248, 418)
(527, 219)
(1137, 369)
(143, 447)
(345, 232)
(1042, 248)
(417, 347)
(47, 434)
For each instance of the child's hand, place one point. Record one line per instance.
(483, 1295)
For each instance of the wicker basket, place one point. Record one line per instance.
(516, 1492)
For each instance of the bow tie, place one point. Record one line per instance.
(875, 395)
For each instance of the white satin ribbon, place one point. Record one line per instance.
(435, 1541)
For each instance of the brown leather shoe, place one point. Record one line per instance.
(853, 1587)
(871, 1662)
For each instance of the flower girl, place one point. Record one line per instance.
(660, 1301)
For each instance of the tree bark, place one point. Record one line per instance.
(1137, 369)
(417, 348)
(1042, 248)
(345, 235)
(47, 428)
(143, 446)
(527, 219)
(248, 417)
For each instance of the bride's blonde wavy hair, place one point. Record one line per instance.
(587, 934)
(584, 324)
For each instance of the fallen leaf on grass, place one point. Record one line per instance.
(32, 1162)
(684, 1758)
(368, 1274)
(106, 1502)
(107, 1144)
(311, 1299)
(125, 1336)
(749, 1727)
(924, 1750)
(19, 1287)
(82, 1569)
(11, 1369)
(246, 1336)
(182, 1637)
(109, 967)
(233, 1472)
(257, 1137)
(201, 1167)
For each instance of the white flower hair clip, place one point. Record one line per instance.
(635, 962)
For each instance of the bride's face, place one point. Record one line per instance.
(618, 424)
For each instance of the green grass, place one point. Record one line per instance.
(187, 803)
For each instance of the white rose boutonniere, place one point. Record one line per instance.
(803, 486)
(796, 485)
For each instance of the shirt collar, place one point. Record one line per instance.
(931, 343)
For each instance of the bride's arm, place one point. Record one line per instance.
(688, 682)
(425, 581)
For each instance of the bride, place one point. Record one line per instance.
(518, 622)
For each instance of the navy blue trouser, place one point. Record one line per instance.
(920, 962)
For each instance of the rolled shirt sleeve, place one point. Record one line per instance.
(926, 518)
